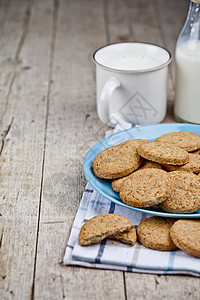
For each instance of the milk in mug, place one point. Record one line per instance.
(132, 62)
(187, 98)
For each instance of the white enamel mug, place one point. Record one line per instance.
(131, 82)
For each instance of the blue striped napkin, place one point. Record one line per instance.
(109, 254)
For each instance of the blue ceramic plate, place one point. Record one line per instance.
(150, 132)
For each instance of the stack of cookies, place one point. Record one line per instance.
(164, 174)
(161, 173)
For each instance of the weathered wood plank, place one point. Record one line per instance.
(138, 21)
(162, 287)
(72, 128)
(13, 26)
(22, 154)
(134, 21)
(171, 17)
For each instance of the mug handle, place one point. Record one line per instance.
(104, 104)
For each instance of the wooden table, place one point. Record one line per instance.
(48, 122)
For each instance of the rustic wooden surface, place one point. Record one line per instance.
(48, 122)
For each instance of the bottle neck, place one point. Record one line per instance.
(196, 1)
(194, 12)
(191, 28)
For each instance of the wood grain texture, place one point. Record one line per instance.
(22, 154)
(48, 122)
(72, 128)
(162, 287)
(13, 21)
(140, 21)
(171, 16)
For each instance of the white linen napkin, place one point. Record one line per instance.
(109, 254)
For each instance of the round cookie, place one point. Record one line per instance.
(186, 236)
(189, 141)
(196, 152)
(127, 237)
(185, 197)
(163, 153)
(101, 226)
(154, 233)
(192, 166)
(146, 187)
(116, 184)
(118, 161)
(150, 164)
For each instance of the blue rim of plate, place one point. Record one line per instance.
(147, 132)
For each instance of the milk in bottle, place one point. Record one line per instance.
(187, 104)
(187, 85)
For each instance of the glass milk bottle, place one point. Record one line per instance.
(187, 95)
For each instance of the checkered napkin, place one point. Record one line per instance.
(109, 254)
